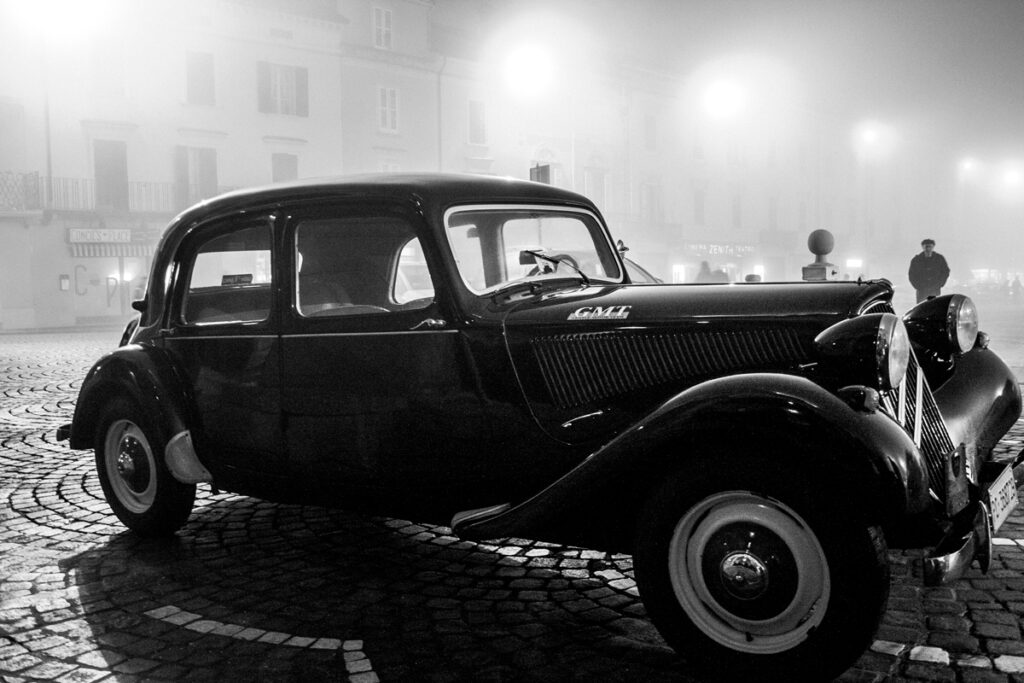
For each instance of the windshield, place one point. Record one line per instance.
(498, 245)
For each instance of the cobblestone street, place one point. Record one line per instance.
(256, 591)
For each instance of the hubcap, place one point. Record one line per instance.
(744, 575)
(749, 572)
(130, 466)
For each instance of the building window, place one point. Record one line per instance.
(108, 64)
(650, 202)
(110, 158)
(699, 202)
(595, 184)
(283, 89)
(387, 110)
(382, 28)
(650, 133)
(199, 78)
(195, 175)
(284, 167)
(477, 123)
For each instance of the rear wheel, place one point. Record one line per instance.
(135, 480)
(754, 575)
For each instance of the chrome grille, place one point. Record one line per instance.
(585, 367)
(914, 408)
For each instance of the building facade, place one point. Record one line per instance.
(107, 134)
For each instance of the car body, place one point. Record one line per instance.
(421, 346)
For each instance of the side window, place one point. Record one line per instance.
(412, 278)
(358, 265)
(229, 278)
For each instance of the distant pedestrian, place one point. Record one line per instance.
(704, 274)
(928, 271)
(1015, 289)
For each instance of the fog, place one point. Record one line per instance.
(721, 131)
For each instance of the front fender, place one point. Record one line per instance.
(146, 375)
(871, 460)
(980, 401)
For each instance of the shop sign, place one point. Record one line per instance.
(718, 249)
(98, 235)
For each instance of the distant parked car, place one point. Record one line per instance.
(423, 347)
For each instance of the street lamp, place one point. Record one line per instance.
(724, 100)
(528, 71)
(873, 141)
(52, 24)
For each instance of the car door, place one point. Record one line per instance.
(222, 334)
(376, 398)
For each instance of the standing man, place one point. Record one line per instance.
(928, 271)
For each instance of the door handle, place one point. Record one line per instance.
(430, 324)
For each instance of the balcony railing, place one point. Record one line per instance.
(28, 192)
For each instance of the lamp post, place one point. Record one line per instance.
(530, 73)
(53, 24)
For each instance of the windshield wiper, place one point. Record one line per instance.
(537, 253)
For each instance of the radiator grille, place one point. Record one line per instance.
(914, 408)
(581, 368)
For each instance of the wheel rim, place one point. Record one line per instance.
(749, 572)
(130, 465)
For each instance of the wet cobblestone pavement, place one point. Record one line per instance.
(250, 590)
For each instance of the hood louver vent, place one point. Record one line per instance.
(581, 368)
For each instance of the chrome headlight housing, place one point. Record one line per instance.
(871, 350)
(944, 325)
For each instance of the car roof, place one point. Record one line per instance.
(432, 191)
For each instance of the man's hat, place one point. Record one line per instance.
(928, 242)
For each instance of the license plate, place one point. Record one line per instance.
(1002, 497)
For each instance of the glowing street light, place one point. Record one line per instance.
(64, 25)
(873, 141)
(528, 71)
(724, 100)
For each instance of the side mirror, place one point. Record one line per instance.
(527, 259)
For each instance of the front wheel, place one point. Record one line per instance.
(139, 488)
(757, 577)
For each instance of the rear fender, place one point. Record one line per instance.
(866, 456)
(143, 373)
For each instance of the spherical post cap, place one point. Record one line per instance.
(821, 242)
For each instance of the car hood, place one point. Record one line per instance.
(650, 304)
(592, 359)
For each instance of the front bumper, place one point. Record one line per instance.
(970, 536)
(970, 539)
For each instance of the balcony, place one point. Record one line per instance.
(26, 192)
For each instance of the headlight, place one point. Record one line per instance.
(892, 334)
(944, 325)
(963, 322)
(872, 350)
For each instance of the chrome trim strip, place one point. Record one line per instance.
(204, 337)
(299, 335)
(918, 406)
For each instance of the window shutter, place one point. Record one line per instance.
(301, 91)
(266, 100)
(181, 176)
(207, 179)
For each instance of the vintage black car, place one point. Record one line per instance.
(470, 351)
